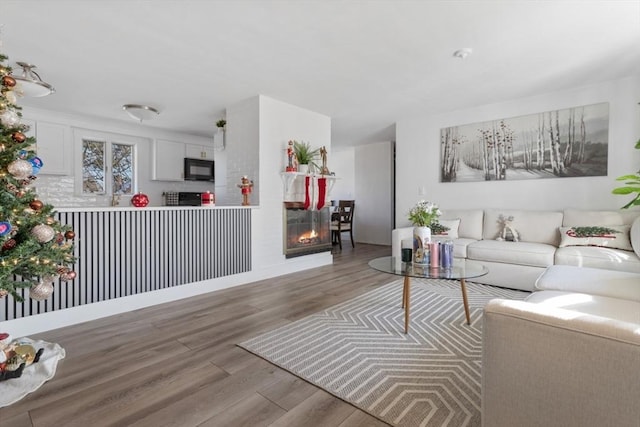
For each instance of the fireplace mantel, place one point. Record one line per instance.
(289, 179)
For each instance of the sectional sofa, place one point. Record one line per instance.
(545, 238)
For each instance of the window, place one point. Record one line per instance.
(107, 167)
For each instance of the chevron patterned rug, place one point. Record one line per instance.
(358, 352)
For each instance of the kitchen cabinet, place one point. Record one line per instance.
(168, 160)
(193, 151)
(53, 146)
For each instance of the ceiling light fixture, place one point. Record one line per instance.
(30, 82)
(463, 53)
(140, 112)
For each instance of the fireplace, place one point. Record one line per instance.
(306, 231)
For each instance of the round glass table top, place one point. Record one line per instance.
(459, 270)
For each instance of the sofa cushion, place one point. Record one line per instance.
(520, 253)
(470, 221)
(532, 226)
(609, 236)
(594, 281)
(596, 257)
(596, 305)
(576, 217)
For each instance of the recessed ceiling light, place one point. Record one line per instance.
(462, 53)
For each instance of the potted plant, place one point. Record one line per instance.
(305, 155)
(422, 216)
(632, 185)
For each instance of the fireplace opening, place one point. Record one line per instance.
(306, 231)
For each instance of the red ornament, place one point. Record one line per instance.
(36, 205)
(9, 244)
(8, 81)
(140, 200)
(18, 137)
(69, 235)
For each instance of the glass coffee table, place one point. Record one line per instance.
(459, 271)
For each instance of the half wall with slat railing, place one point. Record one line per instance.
(125, 252)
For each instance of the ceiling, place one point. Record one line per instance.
(365, 64)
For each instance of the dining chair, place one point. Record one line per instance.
(342, 221)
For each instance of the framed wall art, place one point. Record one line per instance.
(572, 142)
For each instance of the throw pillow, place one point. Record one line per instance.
(611, 236)
(446, 228)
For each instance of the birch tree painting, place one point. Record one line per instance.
(564, 143)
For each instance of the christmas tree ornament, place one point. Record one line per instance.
(41, 291)
(62, 270)
(43, 233)
(8, 81)
(20, 169)
(11, 97)
(59, 238)
(69, 235)
(9, 118)
(9, 244)
(50, 220)
(69, 275)
(3, 293)
(18, 137)
(36, 204)
(5, 228)
(140, 200)
(36, 165)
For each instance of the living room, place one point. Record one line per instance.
(386, 162)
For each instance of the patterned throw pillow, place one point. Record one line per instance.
(611, 236)
(446, 228)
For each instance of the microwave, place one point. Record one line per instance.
(199, 170)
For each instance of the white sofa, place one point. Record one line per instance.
(569, 355)
(517, 265)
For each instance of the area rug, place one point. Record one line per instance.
(358, 352)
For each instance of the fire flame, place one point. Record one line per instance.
(308, 237)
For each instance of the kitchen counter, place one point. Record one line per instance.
(124, 251)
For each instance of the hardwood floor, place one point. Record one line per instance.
(177, 364)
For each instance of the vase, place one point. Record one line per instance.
(303, 168)
(421, 240)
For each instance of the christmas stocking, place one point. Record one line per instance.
(322, 192)
(307, 200)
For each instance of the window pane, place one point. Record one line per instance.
(93, 166)
(122, 168)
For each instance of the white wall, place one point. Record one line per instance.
(280, 122)
(418, 155)
(342, 162)
(374, 201)
(242, 155)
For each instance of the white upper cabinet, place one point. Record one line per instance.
(193, 151)
(168, 160)
(54, 147)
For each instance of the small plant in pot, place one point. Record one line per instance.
(305, 155)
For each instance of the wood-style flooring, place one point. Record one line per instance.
(177, 364)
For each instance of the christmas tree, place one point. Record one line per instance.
(34, 247)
